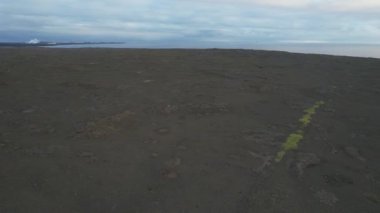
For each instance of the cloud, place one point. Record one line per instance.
(321, 5)
(363, 6)
(219, 21)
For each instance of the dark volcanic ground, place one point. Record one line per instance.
(127, 130)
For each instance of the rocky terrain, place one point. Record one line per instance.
(138, 130)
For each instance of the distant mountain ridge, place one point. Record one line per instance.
(46, 43)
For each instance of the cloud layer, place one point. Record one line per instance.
(232, 22)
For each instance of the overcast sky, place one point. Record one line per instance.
(242, 22)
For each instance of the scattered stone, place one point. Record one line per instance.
(86, 155)
(28, 110)
(108, 125)
(182, 147)
(304, 161)
(150, 189)
(3, 83)
(89, 157)
(329, 110)
(35, 152)
(150, 141)
(173, 163)
(337, 180)
(170, 170)
(255, 155)
(247, 132)
(206, 108)
(84, 85)
(154, 155)
(333, 149)
(34, 129)
(43, 151)
(2, 145)
(372, 197)
(170, 174)
(267, 161)
(170, 109)
(370, 177)
(266, 138)
(250, 137)
(263, 88)
(236, 157)
(147, 81)
(327, 198)
(162, 131)
(354, 153)
(54, 149)
(16, 148)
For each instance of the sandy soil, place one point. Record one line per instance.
(124, 130)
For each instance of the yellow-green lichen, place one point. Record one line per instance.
(305, 120)
(309, 112)
(291, 143)
(293, 139)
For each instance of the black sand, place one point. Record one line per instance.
(113, 130)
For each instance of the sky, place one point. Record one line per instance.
(197, 22)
